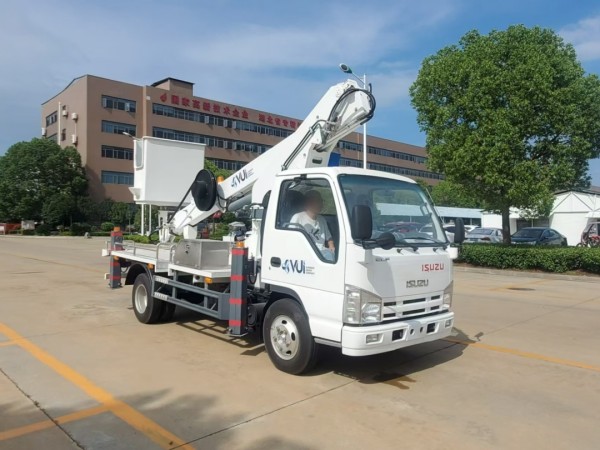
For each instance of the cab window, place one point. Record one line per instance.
(307, 206)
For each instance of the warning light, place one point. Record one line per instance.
(220, 179)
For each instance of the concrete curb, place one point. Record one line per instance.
(522, 273)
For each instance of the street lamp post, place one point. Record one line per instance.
(346, 69)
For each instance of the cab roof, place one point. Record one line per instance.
(335, 171)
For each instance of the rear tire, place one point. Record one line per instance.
(147, 309)
(288, 339)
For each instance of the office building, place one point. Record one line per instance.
(93, 114)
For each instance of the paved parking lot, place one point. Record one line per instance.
(78, 371)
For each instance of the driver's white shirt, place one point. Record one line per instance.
(317, 228)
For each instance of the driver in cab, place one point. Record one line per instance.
(315, 224)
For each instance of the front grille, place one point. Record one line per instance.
(411, 307)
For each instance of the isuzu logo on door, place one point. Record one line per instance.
(417, 283)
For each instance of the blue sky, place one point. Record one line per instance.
(274, 55)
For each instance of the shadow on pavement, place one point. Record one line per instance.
(385, 368)
(195, 419)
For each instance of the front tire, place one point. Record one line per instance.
(288, 339)
(147, 309)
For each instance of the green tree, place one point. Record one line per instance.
(59, 209)
(31, 173)
(447, 193)
(121, 213)
(209, 165)
(511, 116)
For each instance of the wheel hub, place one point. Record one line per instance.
(284, 336)
(141, 298)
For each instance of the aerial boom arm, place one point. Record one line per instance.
(343, 107)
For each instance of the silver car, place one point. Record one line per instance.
(484, 235)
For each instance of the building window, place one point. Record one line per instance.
(109, 177)
(117, 128)
(117, 152)
(392, 169)
(233, 166)
(262, 129)
(382, 152)
(210, 119)
(63, 134)
(118, 103)
(209, 141)
(51, 118)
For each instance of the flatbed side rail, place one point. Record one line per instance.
(161, 253)
(214, 304)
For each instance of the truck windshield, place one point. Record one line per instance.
(398, 207)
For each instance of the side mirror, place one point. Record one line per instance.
(361, 222)
(459, 231)
(386, 241)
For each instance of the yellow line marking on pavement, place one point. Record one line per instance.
(46, 424)
(529, 355)
(137, 420)
(7, 343)
(49, 261)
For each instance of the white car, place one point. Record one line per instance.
(484, 235)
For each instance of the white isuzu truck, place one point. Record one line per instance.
(335, 255)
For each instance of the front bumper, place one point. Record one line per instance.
(392, 336)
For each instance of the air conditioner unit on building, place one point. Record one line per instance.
(73, 139)
(43, 132)
(127, 107)
(74, 116)
(65, 113)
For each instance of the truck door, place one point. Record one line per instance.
(304, 250)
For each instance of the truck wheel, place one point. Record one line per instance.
(287, 337)
(147, 309)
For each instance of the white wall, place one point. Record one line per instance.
(570, 225)
(495, 221)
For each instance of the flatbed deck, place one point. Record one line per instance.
(161, 257)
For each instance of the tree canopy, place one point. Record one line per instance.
(446, 193)
(511, 116)
(38, 178)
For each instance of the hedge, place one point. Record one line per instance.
(522, 257)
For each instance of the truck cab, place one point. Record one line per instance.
(361, 287)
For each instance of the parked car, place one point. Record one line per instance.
(469, 228)
(538, 236)
(484, 235)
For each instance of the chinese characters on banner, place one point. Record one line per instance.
(225, 110)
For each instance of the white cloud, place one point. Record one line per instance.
(585, 36)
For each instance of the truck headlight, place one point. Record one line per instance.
(361, 307)
(447, 298)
